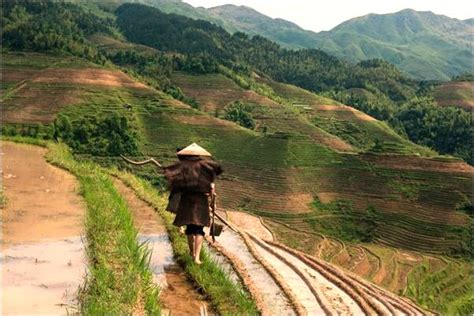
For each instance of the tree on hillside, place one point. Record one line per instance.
(240, 113)
(448, 130)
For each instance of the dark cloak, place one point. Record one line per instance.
(192, 178)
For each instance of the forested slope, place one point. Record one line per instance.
(321, 169)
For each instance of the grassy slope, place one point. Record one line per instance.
(278, 175)
(353, 126)
(423, 44)
(458, 94)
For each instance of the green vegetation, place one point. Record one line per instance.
(109, 136)
(228, 297)
(338, 220)
(277, 173)
(448, 290)
(51, 26)
(240, 113)
(419, 46)
(466, 76)
(425, 45)
(373, 86)
(3, 199)
(449, 130)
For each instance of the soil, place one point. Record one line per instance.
(418, 163)
(92, 76)
(360, 115)
(339, 300)
(33, 103)
(250, 223)
(178, 296)
(448, 88)
(43, 256)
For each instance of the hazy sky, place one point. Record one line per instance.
(323, 15)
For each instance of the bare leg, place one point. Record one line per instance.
(198, 239)
(191, 245)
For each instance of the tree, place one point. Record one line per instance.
(240, 113)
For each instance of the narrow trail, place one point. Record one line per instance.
(177, 295)
(43, 257)
(287, 281)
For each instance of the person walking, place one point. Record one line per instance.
(193, 178)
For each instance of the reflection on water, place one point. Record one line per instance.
(275, 300)
(42, 277)
(161, 255)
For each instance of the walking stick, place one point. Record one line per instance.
(214, 215)
(139, 163)
(213, 207)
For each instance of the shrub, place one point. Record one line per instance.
(240, 113)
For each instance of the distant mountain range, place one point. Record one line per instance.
(422, 44)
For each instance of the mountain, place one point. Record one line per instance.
(324, 178)
(252, 22)
(423, 44)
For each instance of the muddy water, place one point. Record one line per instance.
(339, 300)
(249, 223)
(297, 285)
(274, 299)
(177, 295)
(43, 258)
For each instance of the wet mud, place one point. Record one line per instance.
(43, 258)
(274, 300)
(177, 295)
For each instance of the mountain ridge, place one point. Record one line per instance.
(439, 51)
(423, 44)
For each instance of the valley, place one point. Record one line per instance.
(333, 208)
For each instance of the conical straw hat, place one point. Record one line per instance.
(194, 150)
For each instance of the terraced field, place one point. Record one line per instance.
(304, 182)
(37, 87)
(214, 92)
(458, 94)
(353, 126)
(298, 283)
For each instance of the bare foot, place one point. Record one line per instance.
(197, 261)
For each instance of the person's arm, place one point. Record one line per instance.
(213, 188)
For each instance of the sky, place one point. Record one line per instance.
(316, 15)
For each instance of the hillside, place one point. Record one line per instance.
(281, 184)
(252, 22)
(372, 86)
(326, 178)
(455, 93)
(423, 44)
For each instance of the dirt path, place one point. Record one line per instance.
(43, 256)
(291, 282)
(177, 295)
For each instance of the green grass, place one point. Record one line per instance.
(448, 290)
(227, 296)
(38, 61)
(3, 199)
(119, 280)
(297, 95)
(339, 220)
